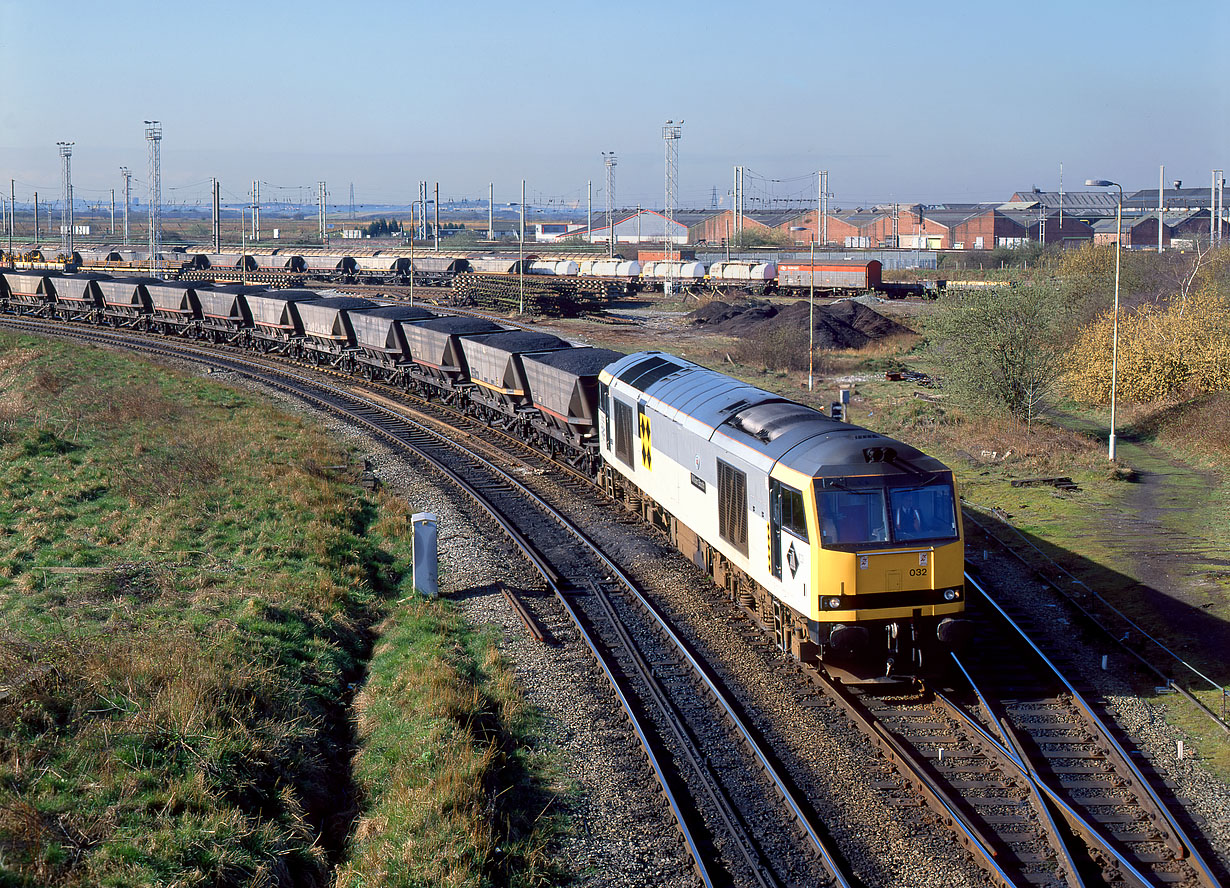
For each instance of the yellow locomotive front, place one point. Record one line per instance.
(888, 575)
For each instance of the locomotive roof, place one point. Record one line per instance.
(762, 427)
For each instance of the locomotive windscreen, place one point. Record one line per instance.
(878, 511)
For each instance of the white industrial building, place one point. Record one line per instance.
(641, 227)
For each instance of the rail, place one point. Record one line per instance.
(1187, 848)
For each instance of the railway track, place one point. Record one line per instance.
(1017, 762)
(739, 815)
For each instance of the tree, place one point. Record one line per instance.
(762, 237)
(1002, 347)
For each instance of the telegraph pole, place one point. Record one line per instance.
(1213, 220)
(1217, 207)
(216, 226)
(490, 211)
(825, 195)
(589, 210)
(66, 214)
(256, 210)
(819, 208)
(153, 134)
(742, 203)
(36, 218)
(113, 211)
(521, 252)
(1061, 204)
(127, 181)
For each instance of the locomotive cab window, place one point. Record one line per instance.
(877, 512)
(794, 518)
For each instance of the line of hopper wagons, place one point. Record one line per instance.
(396, 266)
(536, 385)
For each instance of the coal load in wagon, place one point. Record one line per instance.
(495, 360)
(379, 334)
(436, 344)
(564, 384)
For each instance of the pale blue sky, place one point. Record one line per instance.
(898, 100)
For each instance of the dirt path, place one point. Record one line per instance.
(1166, 534)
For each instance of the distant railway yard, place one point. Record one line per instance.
(868, 606)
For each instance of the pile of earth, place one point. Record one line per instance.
(844, 324)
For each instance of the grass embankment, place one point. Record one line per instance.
(188, 592)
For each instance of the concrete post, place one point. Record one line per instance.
(426, 569)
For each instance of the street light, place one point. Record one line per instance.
(811, 309)
(1114, 347)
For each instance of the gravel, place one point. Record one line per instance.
(621, 833)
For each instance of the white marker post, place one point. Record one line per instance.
(426, 568)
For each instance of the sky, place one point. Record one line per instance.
(899, 101)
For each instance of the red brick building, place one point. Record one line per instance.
(802, 228)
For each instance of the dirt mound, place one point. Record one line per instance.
(845, 324)
(717, 312)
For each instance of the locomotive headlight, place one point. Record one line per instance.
(833, 603)
(951, 594)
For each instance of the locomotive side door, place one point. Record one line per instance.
(775, 527)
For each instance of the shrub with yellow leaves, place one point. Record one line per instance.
(1176, 349)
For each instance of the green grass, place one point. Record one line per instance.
(440, 722)
(188, 597)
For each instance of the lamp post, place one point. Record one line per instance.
(1114, 347)
(811, 309)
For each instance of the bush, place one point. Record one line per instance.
(1180, 348)
(1002, 347)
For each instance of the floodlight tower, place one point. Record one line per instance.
(671, 133)
(66, 215)
(153, 134)
(608, 157)
(323, 192)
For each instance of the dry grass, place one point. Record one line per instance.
(1200, 428)
(187, 600)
